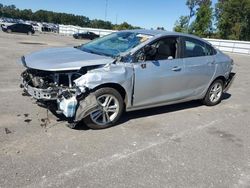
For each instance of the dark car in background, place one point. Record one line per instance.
(86, 35)
(19, 28)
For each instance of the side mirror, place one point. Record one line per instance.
(141, 56)
(149, 50)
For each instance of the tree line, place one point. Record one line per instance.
(11, 11)
(228, 19)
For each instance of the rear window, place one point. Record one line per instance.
(210, 50)
(196, 48)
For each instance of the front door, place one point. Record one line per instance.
(160, 78)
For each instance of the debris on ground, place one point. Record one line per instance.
(27, 120)
(7, 131)
(26, 115)
(45, 121)
(25, 94)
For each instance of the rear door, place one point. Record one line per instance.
(199, 64)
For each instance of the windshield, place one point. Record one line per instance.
(115, 44)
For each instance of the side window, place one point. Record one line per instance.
(210, 50)
(165, 48)
(194, 48)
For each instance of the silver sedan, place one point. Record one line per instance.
(127, 70)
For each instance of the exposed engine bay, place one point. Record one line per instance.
(46, 85)
(52, 80)
(45, 79)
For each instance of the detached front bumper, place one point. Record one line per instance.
(67, 103)
(229, 81)
(40, 94)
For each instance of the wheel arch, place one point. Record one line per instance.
(117, 87)
(220, 78)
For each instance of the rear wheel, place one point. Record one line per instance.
(214, 93)
(111, 108)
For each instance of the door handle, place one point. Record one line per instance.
(176, 69)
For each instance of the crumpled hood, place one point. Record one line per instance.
(61, 59)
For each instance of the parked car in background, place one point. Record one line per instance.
(127, 70)
(86, 35)
(37, 26)
(48, 27)
(19, 28)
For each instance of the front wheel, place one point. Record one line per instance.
(214, 93)
(9, 31)
(111, 108)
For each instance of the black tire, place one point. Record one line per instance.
(29, 33)
(9, 31)
(207, 99)
(102, 92)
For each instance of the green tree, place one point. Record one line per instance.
(124, 26)
(202, 25)
(1, 10)
(101, 24)
(9, 11)
(182, 24)
(202, 11)
(233, 19)
(60, 18)
(26, 14)
(160, 28)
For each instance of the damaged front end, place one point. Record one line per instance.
(76, 107)
(34, 83)
(58, 88)
(73, 91)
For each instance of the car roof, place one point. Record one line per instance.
(161, 33)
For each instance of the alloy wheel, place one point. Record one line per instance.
(109, 109)
(215, 92)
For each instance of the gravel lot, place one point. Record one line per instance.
(184, 145)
